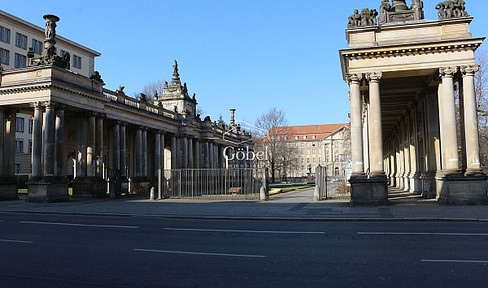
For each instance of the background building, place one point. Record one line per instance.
(16, 38)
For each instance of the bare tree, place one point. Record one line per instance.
(481, 88)
(274, 142)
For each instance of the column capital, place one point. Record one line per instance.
(122, 123)
(354, 78)
(469, 70)
(448, 71)
(374, 76)
(36, 104)
(49, 104)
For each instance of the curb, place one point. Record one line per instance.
(250, 218)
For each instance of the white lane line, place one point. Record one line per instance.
(78, 225)
(422, 233)
(200, 253)
(16, 241)
(242, 231)
(455, 261)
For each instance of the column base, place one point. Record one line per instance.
(8, 189)
(428, 185)
(47, 190)
(415, 184)
(372, 191)
(92, 187)
(457, 189)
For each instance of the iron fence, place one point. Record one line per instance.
(227, 183)
(330, 187)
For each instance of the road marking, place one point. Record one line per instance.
(16, 241)
(242, 231)
(456, 261)
(200, 253)
(422, 233)
(79, 225)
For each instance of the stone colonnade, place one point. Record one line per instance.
(8, 187)
(421, 154)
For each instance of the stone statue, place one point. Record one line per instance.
(384, 9)
(451, 9)
(368, 17)
(142, 98)
(194, 96)
(96, 76)
(185, 89)
(67, 59)
(50, 32)
(399, 5)
(175, 68)
(120, 90)
(354, 20)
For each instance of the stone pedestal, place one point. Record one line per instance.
(92, 187)
(48, 190)
(8, 189)
(456, 189)
(372, 191)
(428, 185)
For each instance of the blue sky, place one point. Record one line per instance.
(252, 55)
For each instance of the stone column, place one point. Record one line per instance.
(144, 153)
(211, 155)
(375, 137)
(59, 144)
(447, 117)
(198, 154)
(185, 152)
(81, 148)
(116, 148)
(471, 121)
(191, 162)
(139, 152)
(99, 146)
(406, 177)
(90, 146)
(123, 149)
(36, 141)
(173, 152)
(48, 133)
(157, 152)
(356, 124)
(163, 147)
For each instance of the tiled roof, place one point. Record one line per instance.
(320, 131)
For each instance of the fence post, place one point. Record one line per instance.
(160, 184)
(318, 180)
(263, 195)
(151, 194)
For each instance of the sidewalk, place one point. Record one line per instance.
(296, 205)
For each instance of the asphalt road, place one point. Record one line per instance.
(78, 251)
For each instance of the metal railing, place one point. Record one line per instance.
(330, 187)
(231, 183)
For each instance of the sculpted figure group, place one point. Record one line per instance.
(366, 18)
(452, 9)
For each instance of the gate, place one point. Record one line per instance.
(227, 183)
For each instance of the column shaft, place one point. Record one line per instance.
(123, 150)
(36, 141)
(90, 146)
(59, 144)
(139, 152)
(48, 151)
(447, 117)
(191, 162)
(471, 120)
(356, 125)
(173, 152)
(99, 147)
(375, 137)
(144, 153)
(157, 153)
(116, 149)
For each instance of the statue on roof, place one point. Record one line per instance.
(354, 20)
(452, 9)
(175, 68)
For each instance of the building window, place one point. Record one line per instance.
(30, 146)
(319, 160)
(336, 145)
(305, 137)
(296, 137)
(313, 160)
(20, 61)
(308, 151)
(17, 168)
(19, 145)
(37, 46)
(308, 160)
(4, 34)
(21, 41)
(314, 136)
(5, 56)
(20, 125)
(313, 151)
(31, 126)
(77, 61)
